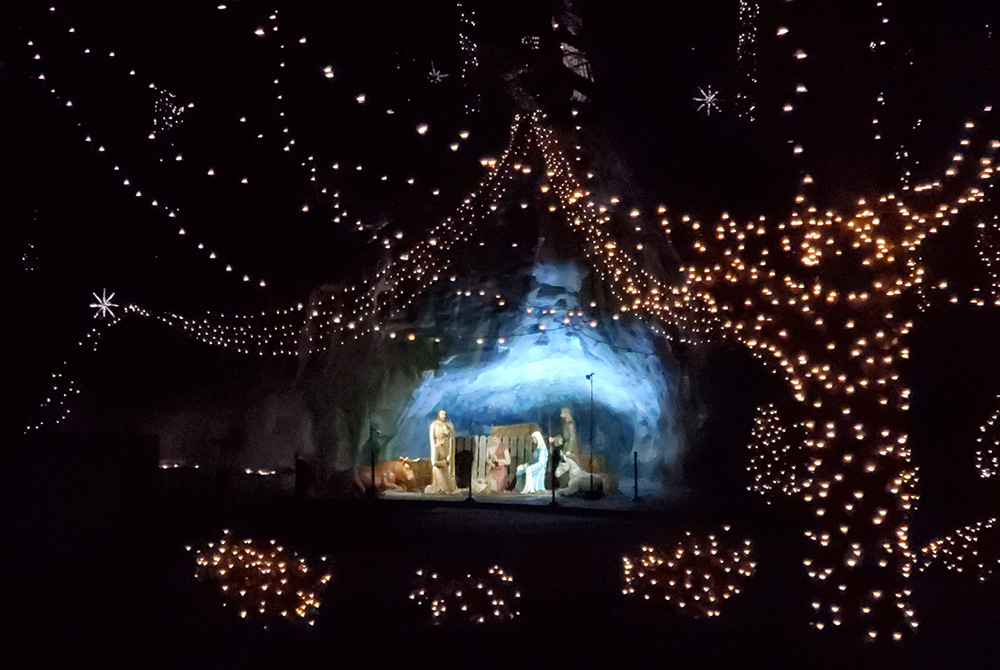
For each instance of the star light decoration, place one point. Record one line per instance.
(103, 305)
(435, 75)
(696, 574)
(708, 100)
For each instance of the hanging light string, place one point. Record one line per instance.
(988, 447)
(797, 96)
(777, 458)
(54, 409)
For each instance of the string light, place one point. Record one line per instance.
(777, 462)
(470, 54)
(988, 250)
(746, 59)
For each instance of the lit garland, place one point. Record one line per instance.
(988, 447)
(262, 582)
(287, 139)
(876, 45)
(776, 460)
(988, 249)
(798, 58)
(29, 259)
(63, 387)
(477, 598)
(240, 334)
(696, 574)
(973, 550)
(470, 53)
(746, 58)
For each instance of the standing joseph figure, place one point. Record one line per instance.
(442, 439)
(567, 439)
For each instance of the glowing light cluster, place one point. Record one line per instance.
(777, 462)
(696, 574)
(478, 598)
(168, 112)
(988, 249)
(972, 551)
(263, 582)
(988, 447)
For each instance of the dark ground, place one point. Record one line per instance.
(96, 574)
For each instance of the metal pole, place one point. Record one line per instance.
(635, 471)
(371, 441)
(514, 470)
(552, 464)
(591, 378)
(472, 467)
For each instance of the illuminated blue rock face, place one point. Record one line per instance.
(536, 372)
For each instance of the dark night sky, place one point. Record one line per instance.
(644, 136)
